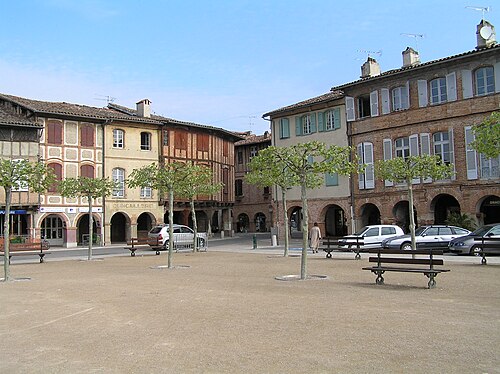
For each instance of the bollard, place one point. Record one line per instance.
(254, 240)
(274, 242)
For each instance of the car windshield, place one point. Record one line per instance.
(420, 230)
(155, 230)
(481, 231)
(359, 232)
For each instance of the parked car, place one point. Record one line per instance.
(435, 236)
(371, 235)
(183, 236)
(465, 245)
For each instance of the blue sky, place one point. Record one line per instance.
(215, 62)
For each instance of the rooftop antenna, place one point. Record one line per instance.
(415, 36)
(369, 53)
(251, 122)
(480, 8)
(108, 99)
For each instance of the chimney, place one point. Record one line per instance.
(370, 68)
(410, 57)
(144, 108)
(485, 34)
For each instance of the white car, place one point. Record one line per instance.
(183, 237)
(371, 235)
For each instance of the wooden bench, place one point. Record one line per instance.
(27, 249)
(488, 246)
(334, 245)
(136, 243)
(425, 263)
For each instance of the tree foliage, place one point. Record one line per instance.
(487, 136)
(461, 220)
(21, 175)
(90, 188)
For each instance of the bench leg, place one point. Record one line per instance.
(41, 257)
(483, 260)
(432, 281)
(380, 278)
(157, 252)
(358, 256)
(328, 254)
(132, 252)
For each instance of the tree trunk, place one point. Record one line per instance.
(91, 228)
(285, 220)
(170, 225)
(195, 226)
(6, 235)
(305, 231)
(412, 216)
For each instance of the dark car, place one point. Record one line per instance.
(465, 244)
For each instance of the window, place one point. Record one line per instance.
(225, 148)
(364, 106)
(284, 128)
(388, 231)
(225, 182)
(165, 138)
(253, 151)
(54, 132)
(118, 138)
(332, 119)
(489, 167)
(402, 147)
(331, 179)
(445, 231)
(202, 142)
(87, 136)
(400, 98)
(306, 124)
(87, 171)
(438, 91)
(266, 190)
(238, 187)
(119, 179)
(442, 146)
(240, 157)
(181, 137)
(146, 193)
(485, 81)
(371, 232)
(57, 168)
(145, 141)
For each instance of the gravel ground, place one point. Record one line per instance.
(226, 313)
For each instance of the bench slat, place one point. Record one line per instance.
(427, 251)
(406, 260)
(405, 270)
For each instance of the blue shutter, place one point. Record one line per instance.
(298, 126)
(313, 122)
(331, 179)
(336, 116)
(321, 121)
(286, 128)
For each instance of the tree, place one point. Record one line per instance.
(406, 170)
(307, 164)
(266, 170)
(16, 174)
(461, 220)
(487, 136)
(162, 178)
(90, 188)
(194, 180)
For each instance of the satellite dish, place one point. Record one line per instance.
(486, 32)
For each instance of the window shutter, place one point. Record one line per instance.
(405, 99)
(385, 100)
(425, 149)
(313, 122)
(286, 126)
(452, 153)
(374, 103)
(422, 93)
(298, 126)
(336, 118)
(331, 179)
(369, 172)
(349, 107)
(470, 154)
(414, 152)
(451, 87)
(388, 156)
(496, 71)
(361, 176)
(467, 84)
(321, 121)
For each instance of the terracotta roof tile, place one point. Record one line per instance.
(11, 119)
(332, 95)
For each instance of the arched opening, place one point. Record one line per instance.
(370, 215)
(144, 223)
(296, 221)
(83, 230)
(260, 222)
(335, 221)
(215, 222)
(444, 205)
(201, 221)
(490, 210)
(242, 223)
(119, 228)
(401, 214)
(53, 230)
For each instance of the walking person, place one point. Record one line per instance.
(315, 237)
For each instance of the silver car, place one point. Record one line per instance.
(371, 235)
(183, 236)
(465, 245)
(435, 236)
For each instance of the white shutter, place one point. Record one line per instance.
(422, 93)
(425, 149)
(406, 100)
(361, 161)
(496, 71)
(369, 172)
(349, 107)
(388, 156)
(467, 91)
(414, 152)
(451, 87)
(385, 101)
(374, 103)
(452, 153)
(470, 154)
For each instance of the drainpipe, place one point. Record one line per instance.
(351, 178)
(103, 225)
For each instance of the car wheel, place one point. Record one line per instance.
(406, 246)
(475, 251)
